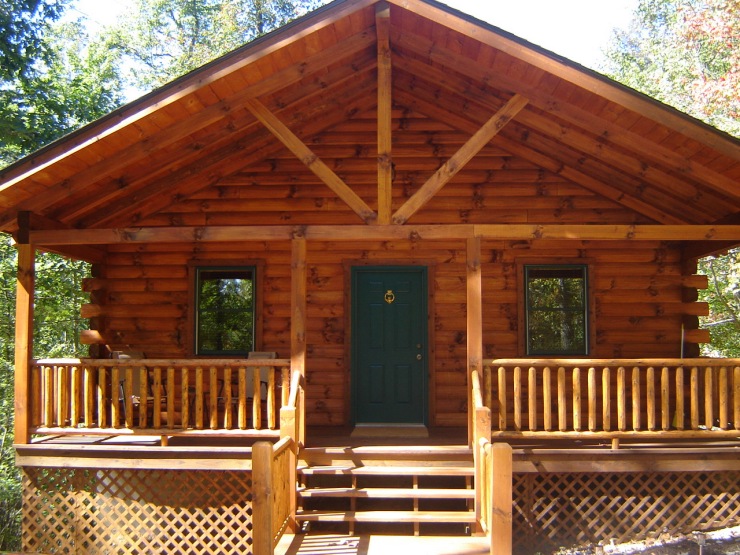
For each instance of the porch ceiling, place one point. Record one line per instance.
(286, 130)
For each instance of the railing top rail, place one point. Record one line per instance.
(165, 362)
(612, 362)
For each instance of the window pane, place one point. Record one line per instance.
(225, 315)
(556, 310)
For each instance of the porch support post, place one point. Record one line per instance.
(298, 323)
(474, 324)
(24, 339)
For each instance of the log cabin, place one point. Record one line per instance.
(385, 263)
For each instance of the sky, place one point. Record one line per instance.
(576, 29)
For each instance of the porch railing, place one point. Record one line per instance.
(274, 475)
(493, 477)
(158, 396)
(620, 398)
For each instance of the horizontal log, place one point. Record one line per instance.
(412, 232)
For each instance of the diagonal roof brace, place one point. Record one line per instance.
(458, 160)
(311, 160)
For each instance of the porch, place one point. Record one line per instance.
(656, 439)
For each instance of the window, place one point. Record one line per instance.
(556, 310)
(225, 310)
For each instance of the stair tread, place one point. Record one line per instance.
(389, 470)
(391, 493)
(386, 516)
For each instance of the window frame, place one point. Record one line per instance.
(588, 317)
(194, 271)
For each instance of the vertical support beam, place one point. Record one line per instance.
(25, 287)
(262, 498)
(298, 323)
(501, 508)
(474, 322)
(385, 102)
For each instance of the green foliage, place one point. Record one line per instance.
(78, 84)
(723, 296)
(685, 53)
(56, 334)
(23, 24)
(168, 38)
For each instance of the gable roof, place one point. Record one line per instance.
(356, 77)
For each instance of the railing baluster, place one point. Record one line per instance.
(680, 399)
(115, 397)
(532, 390)
(285, 377)
(128, 396)
(621, 399)
(199, 398)
(243, 397)
(271, 420)
(185, 388)
(709, 397)
(256, 399)
(592, 399)
(724, 399)
(502, 398)
(562, 404)
(576, 399)
(694, 386)
(48, 380)
(143, 396)
(228, 423)
(636, 400)
(89, 384)
(518, 398)
(650, 398)
(665, 398)
(170, 393)
(547, 398)
(213, 394)
(606, 398)
(36, 395)
(63, 394)
(102, 407)
(157, 395)
(74, 417)
(488, 387)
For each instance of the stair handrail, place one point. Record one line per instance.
(481, 427)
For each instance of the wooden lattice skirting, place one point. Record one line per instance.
(571, 509)
(149, 511)
(108, 511)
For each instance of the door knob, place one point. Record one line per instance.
(418, 357)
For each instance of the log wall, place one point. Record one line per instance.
(638, 291)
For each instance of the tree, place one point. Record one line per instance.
(23, 24)
(685, 53)
(723, 297)
(168, 38)
(78, 83)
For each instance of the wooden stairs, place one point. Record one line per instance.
(387, 489)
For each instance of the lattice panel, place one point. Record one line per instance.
(131, 512)
(554, 510)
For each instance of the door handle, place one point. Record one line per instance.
(418, 357)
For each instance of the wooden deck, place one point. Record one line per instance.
(375, 544)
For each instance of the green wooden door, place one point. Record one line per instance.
(389, 345)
